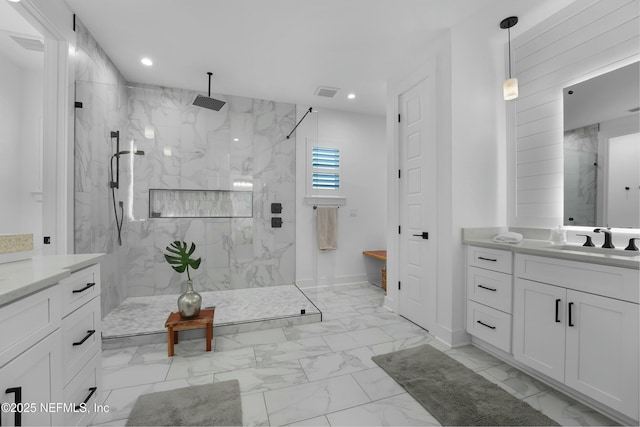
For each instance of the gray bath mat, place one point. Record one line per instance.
(453, 393)
(216, 404)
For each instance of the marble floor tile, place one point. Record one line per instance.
(117, 357)
(404, 329)
(366, 321)
(401, 344)
(313, 329)
(211, 362)
(354, 339)
(268, 354)
(301, 402)
(312, 422)
(399, 410)
(335, 364)
(566, 411)
(251, 338)
(513, 380)
(259, 379)
(132, 375)
(377, 383)
(254, 411)
(473, 358)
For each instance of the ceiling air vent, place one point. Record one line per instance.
(327, 92)
(29, 44)
(634, 110)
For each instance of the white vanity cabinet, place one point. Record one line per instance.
(578, 323)
(50, 346)
(489, 294)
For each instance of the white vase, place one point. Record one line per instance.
(189, 302)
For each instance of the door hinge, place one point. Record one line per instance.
(399, 174)
(399, 285)
(78, 104)
(398, 118)
(399, 229)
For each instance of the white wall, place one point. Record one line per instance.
(362, 220)
(20, 121)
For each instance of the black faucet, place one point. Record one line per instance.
(632, 244)
(607, 238)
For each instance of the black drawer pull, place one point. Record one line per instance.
(557, 310)
(570, 310)
(484, 324)
(487, 259)
(89, 333)
(18, 400)
(92, 390)
(489, 289)
(89, 285)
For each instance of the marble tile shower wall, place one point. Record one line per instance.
(188, 147)
(101, 89)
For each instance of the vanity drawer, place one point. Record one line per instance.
(27, 321)
(490, 325)
(81, 340)
(87, 385)
(490, 288)
(490, 259)
(79, 288)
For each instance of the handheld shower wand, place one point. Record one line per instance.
(113, 184)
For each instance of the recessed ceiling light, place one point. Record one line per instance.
(146, 61)
(14, 1)
(351, 96)
(236, 139)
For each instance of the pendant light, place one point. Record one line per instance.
(510, 86)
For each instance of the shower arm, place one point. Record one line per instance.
(298, 124)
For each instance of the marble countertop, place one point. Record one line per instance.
(21, 278)
(484, 238)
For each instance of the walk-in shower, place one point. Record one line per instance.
(115, 181)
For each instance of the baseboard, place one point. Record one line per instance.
(328, 282)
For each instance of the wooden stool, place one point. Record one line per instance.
(176, 323)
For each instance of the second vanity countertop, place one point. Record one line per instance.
(21, 278)
(484, 238)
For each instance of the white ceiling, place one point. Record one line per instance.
(13, 24)
(277, 49)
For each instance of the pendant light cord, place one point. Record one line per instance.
(509, 33)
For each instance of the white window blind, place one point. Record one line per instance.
(326, 167)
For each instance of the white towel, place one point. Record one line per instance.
(508, 237)
(327, 228)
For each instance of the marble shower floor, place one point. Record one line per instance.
(236, 311)
(319, 374)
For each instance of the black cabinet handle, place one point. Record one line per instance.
(18, 400)
(484, 324)
(558, 310)
(487, 259)
(89, 285)
(92, 390)
(489, 289)
(89, 333)
(570, 310)
(424, 235)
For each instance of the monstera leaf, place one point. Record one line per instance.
(180, 258)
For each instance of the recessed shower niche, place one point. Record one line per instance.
(200, 204)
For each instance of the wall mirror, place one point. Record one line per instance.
(602, 150)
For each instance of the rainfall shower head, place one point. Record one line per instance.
(207, 101)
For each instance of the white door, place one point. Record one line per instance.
(602, 350)
(539, 326)
(417, 154)
(623, 181)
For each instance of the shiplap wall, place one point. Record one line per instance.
(584, 40)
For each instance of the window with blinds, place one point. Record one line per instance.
(325, 163)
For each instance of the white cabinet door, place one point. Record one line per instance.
(539, 327)
(602, 350)
(35, 378)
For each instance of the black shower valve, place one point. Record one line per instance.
(276, 222)
(276, 208)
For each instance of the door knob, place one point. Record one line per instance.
(424, 235)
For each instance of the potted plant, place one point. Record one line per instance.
(179, 258)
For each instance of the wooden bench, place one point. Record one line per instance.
(382, 256)
(176, 323)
